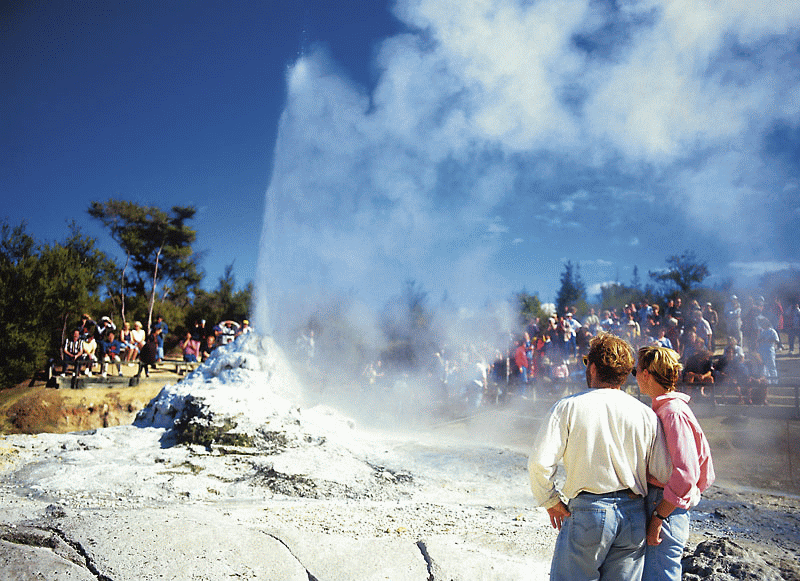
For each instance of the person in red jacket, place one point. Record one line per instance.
(521, 359)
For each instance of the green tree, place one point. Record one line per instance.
(45, 287)
(157, 247)
(223, 303)
(636, 282)
(407, 323)
(684, 272)
(616, 295)
(573, 290)
(530, 307)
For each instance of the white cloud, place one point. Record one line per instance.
(469, 123)
(754, 269)
(597, 262)
(672, 91)
(496, 226)
(597, 288)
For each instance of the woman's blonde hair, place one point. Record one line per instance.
(662, 364)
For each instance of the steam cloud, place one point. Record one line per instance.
(497, 128)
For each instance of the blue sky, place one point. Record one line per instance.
(473, 146)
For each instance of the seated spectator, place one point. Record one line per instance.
(730, 369)
(559, 371)
(654, 322)
(131, 350)
(699, 366)
(106, 325)
(757, 381)
(661, 338)
(71, 353)
(225, 332)
(207, 348)
(582, 339)
(138, 337)
(89, 357)
(607, 323)
(190, 348)
(592, 322)
(631, 331)
(688, 344)
(148, 354)
(113, 350)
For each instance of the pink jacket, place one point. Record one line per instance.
(692, 467)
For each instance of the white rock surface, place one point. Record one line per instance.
(315, 497)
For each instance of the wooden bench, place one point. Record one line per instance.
(181, 366)
(84, 382)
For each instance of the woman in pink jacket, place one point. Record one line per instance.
(657, 373)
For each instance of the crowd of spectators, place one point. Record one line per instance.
(101, 344)
(733, 348)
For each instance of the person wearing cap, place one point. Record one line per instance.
(226, 331)
(668, 501)
(106, 325)
(608, 442)
(245, 328)
(574, 325)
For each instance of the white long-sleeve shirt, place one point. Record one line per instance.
(607, 441)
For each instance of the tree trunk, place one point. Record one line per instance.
(153, 291)
(122, 288)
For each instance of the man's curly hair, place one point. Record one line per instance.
(613, 358)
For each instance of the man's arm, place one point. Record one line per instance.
(559, 512)
(547, 451)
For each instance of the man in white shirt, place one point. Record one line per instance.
(607, 441)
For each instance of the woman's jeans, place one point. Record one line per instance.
(603, 538)
(663, 562)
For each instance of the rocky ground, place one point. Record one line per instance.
(224, 475)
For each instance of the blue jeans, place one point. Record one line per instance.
(603, 538)
(663, 562)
